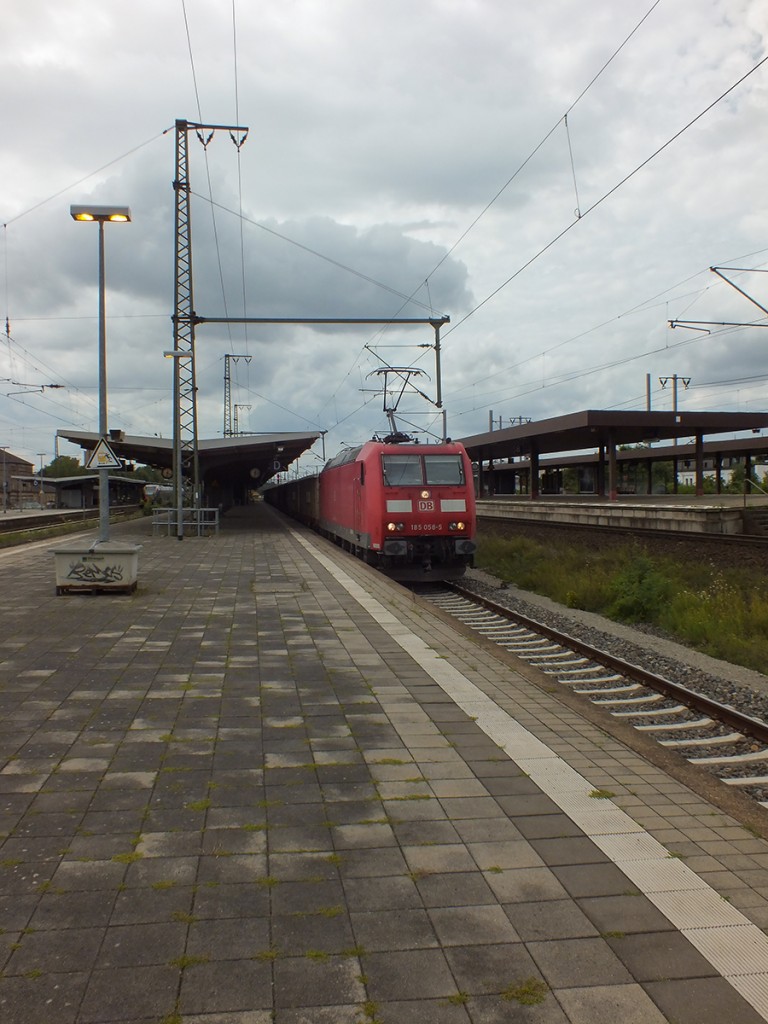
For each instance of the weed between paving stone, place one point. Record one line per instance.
(528, 992)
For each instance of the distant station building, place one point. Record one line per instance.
(686, 473)
(73, 492)
(18, 480)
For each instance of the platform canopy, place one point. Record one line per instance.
(594, 429)
(229, 466)
(603, 432)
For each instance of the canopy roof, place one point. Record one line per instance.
(593, 429)
(235, 462)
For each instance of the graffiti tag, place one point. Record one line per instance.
(95, 573)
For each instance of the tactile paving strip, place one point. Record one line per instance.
(685, 899)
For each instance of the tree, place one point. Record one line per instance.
(64, 465)
(662, 477)
(152, 476)
(736, 485)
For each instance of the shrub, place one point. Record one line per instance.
(639, 592)
(723, 612)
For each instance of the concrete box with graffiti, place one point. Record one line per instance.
(105, 566)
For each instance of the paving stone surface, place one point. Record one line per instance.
(233, 798)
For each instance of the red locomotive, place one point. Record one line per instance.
(408, 508)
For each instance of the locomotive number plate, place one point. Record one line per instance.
(425, 526)
(426, 506)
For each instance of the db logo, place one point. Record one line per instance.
(426, 506)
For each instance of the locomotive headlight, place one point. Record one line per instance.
(394, 527)
(426, 494)
(457, 526)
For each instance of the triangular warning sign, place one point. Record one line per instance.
(102, 457)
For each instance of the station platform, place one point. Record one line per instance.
(687, 515)
(272, 786)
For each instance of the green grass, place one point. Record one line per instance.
(198, 805)
(180, 915)
(266, 955)
(369, 1009)
(529, 992)
(183, 962)
(127, 858)
(720, 611)
(458, 999)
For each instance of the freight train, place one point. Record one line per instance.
(406, 508)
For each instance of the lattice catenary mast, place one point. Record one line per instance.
(184, 318)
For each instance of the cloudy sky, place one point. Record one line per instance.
(557, 178)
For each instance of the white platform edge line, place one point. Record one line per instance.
(753, 987)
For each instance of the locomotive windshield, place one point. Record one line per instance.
(415, 470)
(444, 469)
(402, 470)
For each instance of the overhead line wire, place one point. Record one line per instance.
(44, 412)
(192, 61)
(606, 196)
(79, 181)
(546, 137)
(410, 298)
(643, 306)
(239, 175)
(277, 405)
(313, 252)
(736, 380)
(527, 160)
(578, 374)
(38, 366)
(217, 246)
(207, 165)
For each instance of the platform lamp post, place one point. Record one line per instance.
(178, 483)
(102, 214)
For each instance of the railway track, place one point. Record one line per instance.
(754, 541)
(15, 529)
(715, 736)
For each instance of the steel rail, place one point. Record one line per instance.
(746, 724)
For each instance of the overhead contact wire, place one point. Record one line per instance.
(192, 61)
(607, 195)
(204, 142)
(531, 387)
(80, 181)
(312, 252)
(548, 135)
(532, 154)
(573, 166)
(239, 176)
